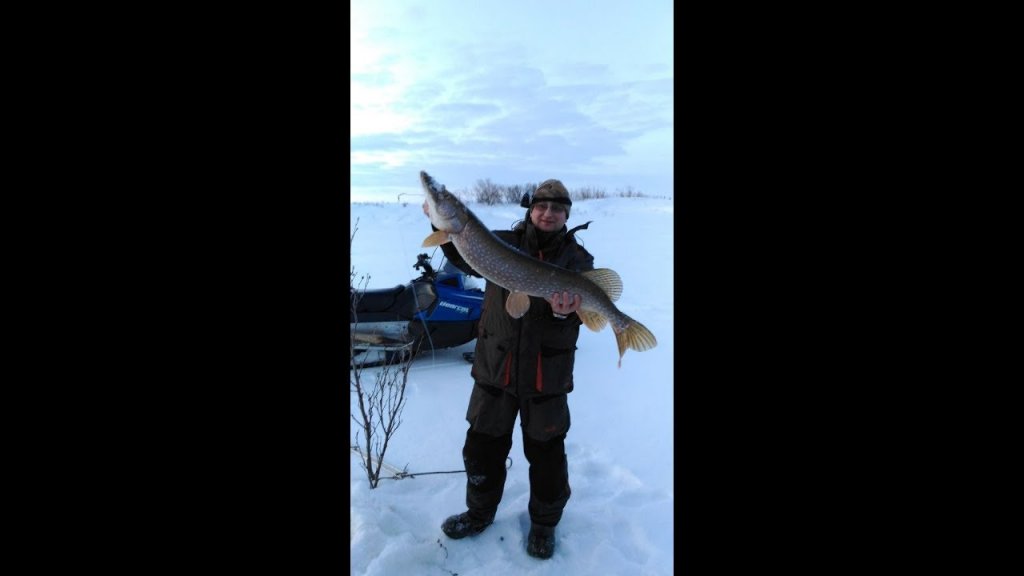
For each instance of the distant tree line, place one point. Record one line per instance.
(487, 192)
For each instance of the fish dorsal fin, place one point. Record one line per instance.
(436, 239)
(607, 280)
(517, 304)
(592, 319)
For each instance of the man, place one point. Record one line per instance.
(523, 367)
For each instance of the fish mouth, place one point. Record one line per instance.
(443, 204)
(435, 191)
(429, 183)
(431, 188)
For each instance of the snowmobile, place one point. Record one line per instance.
(437, 310)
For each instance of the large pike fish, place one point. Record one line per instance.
(524, 276)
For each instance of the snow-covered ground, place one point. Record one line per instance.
(619, 519)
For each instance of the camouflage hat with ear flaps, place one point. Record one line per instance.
(553, 191)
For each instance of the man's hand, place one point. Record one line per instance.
(563, 305)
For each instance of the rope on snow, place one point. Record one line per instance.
(400, 474)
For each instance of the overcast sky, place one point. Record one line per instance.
(518, 92)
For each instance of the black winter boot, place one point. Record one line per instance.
(462, 525)
(541, 541)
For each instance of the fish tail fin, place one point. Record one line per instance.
(607, 280)
(635, 336)
(591, 319)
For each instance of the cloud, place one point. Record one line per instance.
(479, 96)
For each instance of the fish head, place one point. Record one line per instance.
(447, 212)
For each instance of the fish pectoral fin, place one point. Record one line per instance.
(592, 319)
(436, 239)
(517, 304)
(607, 280)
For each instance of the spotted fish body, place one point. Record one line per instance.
(524, 276)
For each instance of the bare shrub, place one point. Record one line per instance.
(514, 193)
(381, 401)
(630, 192)
(588, 193)
(380, 411)
(488, 192)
